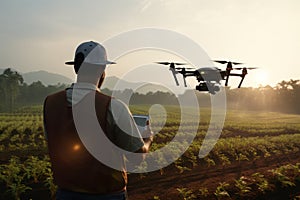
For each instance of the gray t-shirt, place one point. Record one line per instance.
(119, 118)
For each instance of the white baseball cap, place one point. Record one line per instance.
(93, 53)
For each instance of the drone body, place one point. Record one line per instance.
(209, 78)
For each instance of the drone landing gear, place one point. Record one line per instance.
(241, 82)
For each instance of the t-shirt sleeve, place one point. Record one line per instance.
(125, 132)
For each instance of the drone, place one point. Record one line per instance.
(209, 78)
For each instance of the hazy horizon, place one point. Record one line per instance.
(43, 35)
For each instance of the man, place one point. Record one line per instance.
(78, 174)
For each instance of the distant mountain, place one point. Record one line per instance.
(111, 82)
(114, 83)
(47, 78)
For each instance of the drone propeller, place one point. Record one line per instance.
(174, 72)
(224, 62)
(180, 63)
(228, 68)
(184, 68)
(170, 63)
(220, 61)
(236, 63)
(163, 63)
(240, 68)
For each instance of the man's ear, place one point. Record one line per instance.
(79, 58)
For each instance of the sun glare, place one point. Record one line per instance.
(76, 147)
(261, 77)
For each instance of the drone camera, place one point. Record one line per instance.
(211, 89)
(202, 87)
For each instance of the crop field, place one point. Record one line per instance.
(256, 157)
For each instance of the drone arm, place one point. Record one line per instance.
(236, 75)
(184, 81)
(243, 77)
(227, 78)
(174, 75)
(226, 82)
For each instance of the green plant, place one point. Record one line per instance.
(261, 182)
(221, 190)
(282, 179)
(12, 174)
(242, 186)
(35, 168)
(204, 192)
(209, 161)
(182, 168)
(224, 159)
(186, 194)
(49, 182)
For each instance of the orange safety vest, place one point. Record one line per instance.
(74, 168)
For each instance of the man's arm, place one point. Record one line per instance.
(124, 128)
(147, 143)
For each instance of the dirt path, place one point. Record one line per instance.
(165, 185)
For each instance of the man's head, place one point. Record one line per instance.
(90, 60)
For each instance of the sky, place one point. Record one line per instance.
(42, 35)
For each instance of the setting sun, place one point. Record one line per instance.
(261, 77)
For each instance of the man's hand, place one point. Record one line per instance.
(148, 139)
(148, 135)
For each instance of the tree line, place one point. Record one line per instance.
(15, 93)
(284, 97)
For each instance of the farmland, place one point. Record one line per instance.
(257, 156)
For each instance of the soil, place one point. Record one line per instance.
(164, 186)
